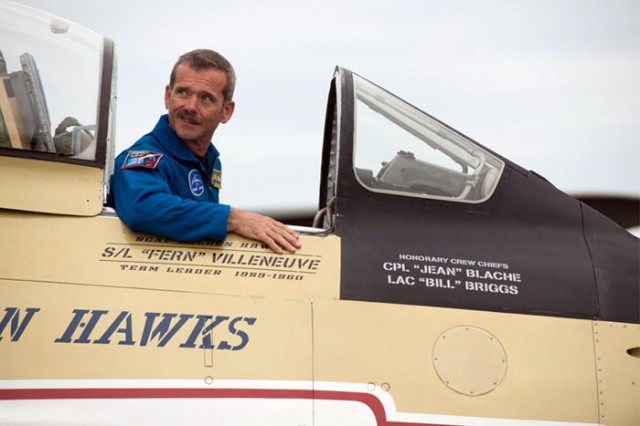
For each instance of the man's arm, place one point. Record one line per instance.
(262, 228)
(145, 203)
(143, 200)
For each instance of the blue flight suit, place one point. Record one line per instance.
(160, 187)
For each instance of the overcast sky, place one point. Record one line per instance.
(553, 85)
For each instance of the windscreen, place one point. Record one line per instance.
(50, 82)
(401, 150)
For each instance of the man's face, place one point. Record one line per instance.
(196, 106)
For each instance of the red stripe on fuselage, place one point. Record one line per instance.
(367, 399)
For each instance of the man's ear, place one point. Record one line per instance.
(167, 96)
(228, 111)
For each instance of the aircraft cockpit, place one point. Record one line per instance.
(413, 154)
(56, 97)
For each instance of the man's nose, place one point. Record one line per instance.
(191, 103)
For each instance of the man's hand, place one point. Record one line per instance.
(262, 228)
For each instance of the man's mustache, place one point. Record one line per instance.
(189, 117)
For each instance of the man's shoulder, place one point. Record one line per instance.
(145, 153)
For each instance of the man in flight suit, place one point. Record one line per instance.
(167, 183)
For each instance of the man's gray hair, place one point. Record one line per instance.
(202, 59)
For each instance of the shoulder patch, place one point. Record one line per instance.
(142, 159)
